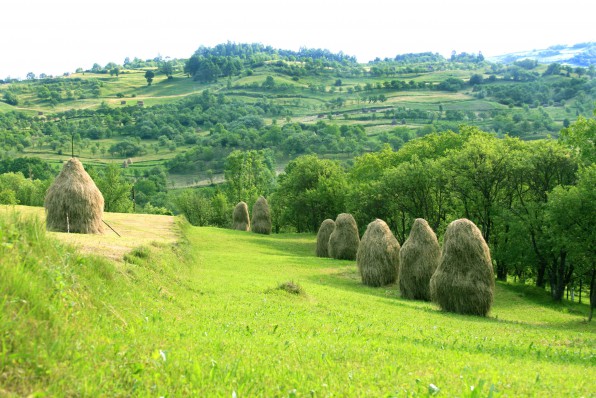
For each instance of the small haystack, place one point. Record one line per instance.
(73, 203)
(261, 217)
(240, 217)
(325, 231)
(464, 280)
(378, 255)
(344, 240)
(418, 259)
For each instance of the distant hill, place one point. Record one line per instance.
(581, 54)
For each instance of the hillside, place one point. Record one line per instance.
(196, 111)
(213, 315)
(581, 54)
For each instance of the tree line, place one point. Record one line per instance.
(533, 201)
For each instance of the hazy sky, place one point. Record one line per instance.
(57, 36)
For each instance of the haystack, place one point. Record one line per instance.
(464, 280)
(73, 203)
(261, 217)
(418, 259)
(344, 240)
(378, 255)
(325, 231)
(240, 218)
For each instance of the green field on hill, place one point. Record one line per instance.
(219, 313)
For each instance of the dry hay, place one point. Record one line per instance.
(261, 217)
(73, 202)
(378, 255)
(325, 231)
(464, 280)
(344, 240)
(240, 218)
(418, 258)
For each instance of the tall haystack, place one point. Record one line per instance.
(240, 218)
(378, 255)
(73, 203)
(325, 231)
(464, 280)
(344, 240)
(418, 259)
(261, 217)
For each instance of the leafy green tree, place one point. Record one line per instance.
(11, 98)
(149, 75)
(194, 206)
(581, 137)
(543, 165)
(115, 189)
(249, 174)
(167, 68)
(571, 216)
(269, 83)
(310, 190)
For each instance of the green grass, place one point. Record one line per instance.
(217, 315)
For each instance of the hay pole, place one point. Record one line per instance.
(104, 221)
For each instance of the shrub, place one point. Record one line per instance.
(464, 280)
(378, 255)
(344, 240)
(418, 259)
(325, 231)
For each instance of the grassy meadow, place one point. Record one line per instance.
(227, 313)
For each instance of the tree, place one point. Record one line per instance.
(570, 216)
(269, 83)
(11, 98)
(167, 69)
(310, 191)
(149, 75)
(581, 137)
(249, 174)
(543, 165)
(115, 189)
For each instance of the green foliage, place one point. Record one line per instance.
(310, 191)
(16, 189)
(149, 75)
(115, 189)
(581, 137)
(249, 174)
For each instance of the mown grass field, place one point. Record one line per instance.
(205, 317)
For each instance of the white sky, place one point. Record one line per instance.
(57, 36)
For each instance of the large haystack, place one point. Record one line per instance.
(418, 259)
(464, 280)
(261, 217)
(240, 218)
(378, 255)
(325, 231)
(73, 203)
(344, 240)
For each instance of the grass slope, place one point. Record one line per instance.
(205, 317)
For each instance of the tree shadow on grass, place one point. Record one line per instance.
(348, 279)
